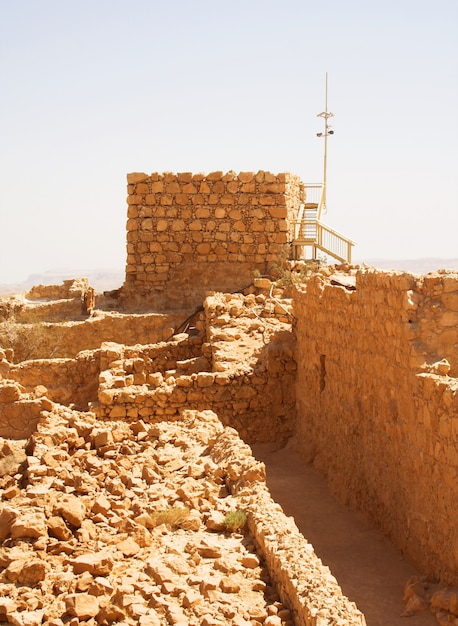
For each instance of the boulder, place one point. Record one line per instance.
(29, 524)
(27, 572)
(72, 510)
(82, 605)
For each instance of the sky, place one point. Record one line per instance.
(91, 90)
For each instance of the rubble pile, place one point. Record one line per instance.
(116, 523)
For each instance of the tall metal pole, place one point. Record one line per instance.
(325, 115)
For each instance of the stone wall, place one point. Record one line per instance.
(244, 371)
(377, 403)
(43, 339)
(303, 582)
(192, 233)
(20, 412)
(66, 381)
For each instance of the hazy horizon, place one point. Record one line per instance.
(94, 90)
(104, 279)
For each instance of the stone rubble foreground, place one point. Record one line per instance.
(79, 541)
(82, 542)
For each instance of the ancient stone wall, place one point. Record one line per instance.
(66, 381)
(192, 233)
(45, 339)
(20, 412)
(377, 403)
(245, 372)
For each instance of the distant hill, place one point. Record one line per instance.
(415, 266)
(108, 279)
(101, 280)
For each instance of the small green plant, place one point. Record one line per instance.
(288, 272)
(235, 521)
(175, 517)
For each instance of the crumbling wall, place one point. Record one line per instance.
(244, 371)
(66, 381)
(377, 403)
(20, 412)
(127, 523)
(69, 289)
(72, 300)
(188, 234)
(45, 339)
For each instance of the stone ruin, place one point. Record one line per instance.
(119, 408)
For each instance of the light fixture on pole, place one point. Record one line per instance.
(327, 131)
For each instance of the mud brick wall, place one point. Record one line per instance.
(188, 234)
(377, 405)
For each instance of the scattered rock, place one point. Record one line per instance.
(82, 605)
(72, 510)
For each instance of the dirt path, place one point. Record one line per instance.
(369, 570)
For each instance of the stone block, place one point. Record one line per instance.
(72, 510)
(246, 177)
(97, 564)
(27, 572)
(9, 392)
(136, 177)
(215, 175)
(185, 177)
(82, 605)
(29, 524)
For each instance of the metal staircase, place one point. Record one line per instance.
(310, 234)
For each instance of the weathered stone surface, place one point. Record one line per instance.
(28, 572)
(26, 618)
(58, 528)
(72, 510)
(7, 517)
(97, 564)
(29, 524)
(82, 605)
(109, 566)
(10, 392)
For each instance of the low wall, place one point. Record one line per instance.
(188, 234)
(67, 381)
(245, 372)
(20, 412)
(46, 340)
(303, 582)
(376, 411)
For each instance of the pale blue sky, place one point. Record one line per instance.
(94, 89)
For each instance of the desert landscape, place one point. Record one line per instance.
(133, 422)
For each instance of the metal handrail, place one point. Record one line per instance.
(313, 192)
(313, 232)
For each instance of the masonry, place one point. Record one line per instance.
(359, 367)
(377, 402)
(192, 233)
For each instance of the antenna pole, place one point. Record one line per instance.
(325, 159)
(325, 115)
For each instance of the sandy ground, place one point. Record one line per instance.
(369, 570)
